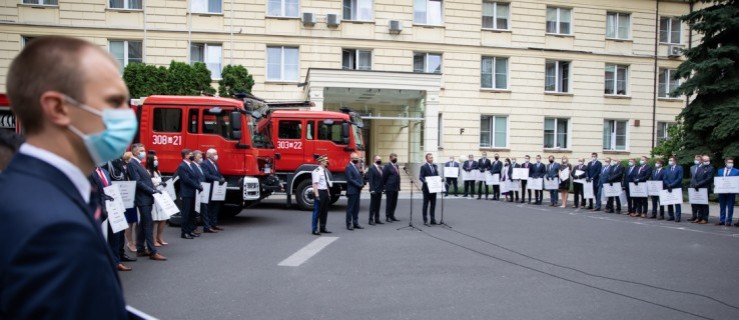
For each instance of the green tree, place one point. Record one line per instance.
(672, 146)
(235, 79)
(201, 79)
(144, 80)
(711, 120)
(181, 80)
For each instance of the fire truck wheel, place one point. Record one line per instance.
(302, 195)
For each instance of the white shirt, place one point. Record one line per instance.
(319, 176)
(79, 180)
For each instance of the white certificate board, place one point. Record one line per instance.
(520, 174)
(219, 191)
(505, 187)
(205, 194)
(564, 174)
(667, 198)
(535, 184)
(166, 204)
(587, 191)
(654, 187)
(492, 179)
(468, 175)
(514, 185)
(479, 175)
(451, 172)
(116, 209)
(551, 184)
(612, 190)
(698, 197)
(128, 192)
(198, 197)
(434, 184)
(579, 173)
(726, 184)
(170, 187)
(638, 190)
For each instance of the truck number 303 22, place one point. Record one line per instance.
(295, 145)
(162, 139)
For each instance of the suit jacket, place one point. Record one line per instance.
(604, 171)
(552, 170)
(496, 166)
(55, 262)
(211, 171)
(391, 177)
(673, 177)
(510, 168)
(693, 168)
(144, 185)
(354, 180)
(582, 168)
(538, 170)
(98, 184)
(615, 173)
(426, 171)
(470, 165)
(704, 177)
(658, 174)
(484, 164)
(188, 180)
(732, 173)
(630, 175)
(594, 170)
(374, 175)
(643, 173)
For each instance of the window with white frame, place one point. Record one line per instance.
(670, 30)
(205, 6)
(494, 73)
(663, 129)
(353, 59)
(495, 15)
(667, 83)
(283, 8)
(358, 10)
(556, 133)
(428, 12)
(427, 62)
(617, 79)
(42, 2)
(559, 20)
(615, 134)
(557, 76)
(282, 64)
(25, 40)
(125, 4)
(618, 25)
(493, 132)
(210, 54)
(126, 51)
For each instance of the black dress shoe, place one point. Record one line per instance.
(379, 222)
(394, 219)
(671, 219)
(590, 207)
(426, 224)
(126, 258)
(186, 236)
(349, 228)
(434, 222)
(372, 223)
(325, 231)
(356, 226)
(316, 233)
(194, 235)
(736, 224)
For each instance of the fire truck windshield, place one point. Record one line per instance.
(260, 138)
(358, 137)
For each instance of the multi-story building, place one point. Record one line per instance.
(450, 77)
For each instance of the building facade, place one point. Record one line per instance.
(451, 77)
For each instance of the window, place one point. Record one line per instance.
(617, 79)
(204, 6)
(125, 4)
(218, 124)
(559, 20)
(494, 73)
(282, 64)
(358, 10)
(494, 132)
(330, 132)
(495, 15)
(618, 25)
(25, 40)
(427, 12)
(167, 120)
(614, 134)
(439, 130)
(42, 2)
(282, 8)
(667, 83)
(557, 76)
(210, 55)
(427, 62)
(290, 129)
(126, 52)
(192, 120)
(555, 133)
(669, 30)
(309, 130)
(352, 59)
(663, 129)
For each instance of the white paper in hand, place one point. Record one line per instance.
(205, 194)
(128, 192)
(219, 191)
(166, 204)
(434, 184)
(115, 209)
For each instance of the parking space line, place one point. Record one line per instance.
(310, 250)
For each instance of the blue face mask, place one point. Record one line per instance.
(142, 155)
(156, 163)
(111, 143)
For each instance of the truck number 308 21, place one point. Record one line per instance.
(162, 139)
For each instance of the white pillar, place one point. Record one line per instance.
(315, 95)
(431, 122)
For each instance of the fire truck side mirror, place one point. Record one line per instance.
(235, 121)
(345, 132)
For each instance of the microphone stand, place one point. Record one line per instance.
(410, 221)
(441, 222)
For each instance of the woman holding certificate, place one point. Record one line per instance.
(157, 215)
(564, 178)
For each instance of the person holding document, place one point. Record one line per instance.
(144, 202)
(643, 173)
(213, 175)
(693, 172)
(703, 179)
(673, 179)
(658, 174)
(629, 178)
(594, 175)
(101, 179)
(428, 169)
(469, 185)
(484, 165)
(579, 187)
(188, 185)
(496, 167)
(526, 165)
(564, 185)
(514, 165)
(158, 216)
(451, 180)
(615, 174)
(726, 200)
(552, 173)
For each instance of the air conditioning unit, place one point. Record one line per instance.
(395, 26)
(309, 19)
(333, 20)
(674, 51)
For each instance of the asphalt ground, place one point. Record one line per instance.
(498, 261)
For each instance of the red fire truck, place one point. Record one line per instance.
(264, 147)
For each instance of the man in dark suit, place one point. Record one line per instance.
(514, 164)
(354, 185)
(643, 173)
(374, 174)
(615, 174)
(100, 180)
(55, 263)
(496, 167)
(451, 180)
(594, 171)
(605, 171)
(428, 169)
(188, 185)
(628, 178)
(726, 200)
(658, 174)
(674, 181)
(578, 187)
(526, 165)
(552, 173)
(144, 201)
(538, 170)
(704, 178)
(469, 185)
(693, 169)
(391, 184)
(212, 175)
(483, 165)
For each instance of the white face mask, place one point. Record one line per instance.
(215, 158)
(730, 165)
(580, 163)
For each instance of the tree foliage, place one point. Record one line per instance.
(235, 79)
(672, 146)
(144, 80)
(181, 79)
(711, 121)
(201, 79)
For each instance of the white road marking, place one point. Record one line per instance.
(302, 255)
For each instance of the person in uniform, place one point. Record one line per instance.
(451, 180)
(321, 183)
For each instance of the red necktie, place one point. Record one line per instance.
(102, 177)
